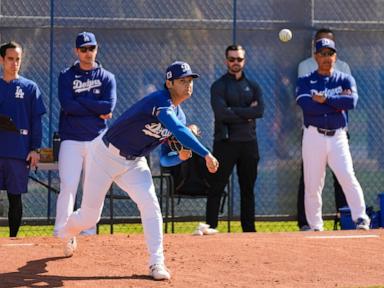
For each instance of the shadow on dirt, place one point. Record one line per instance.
(32, 275)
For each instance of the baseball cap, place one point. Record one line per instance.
(325, 43)
(179, 69)
(85, 39)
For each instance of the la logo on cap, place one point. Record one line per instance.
(86, 38)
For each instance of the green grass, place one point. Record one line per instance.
(286, 226)
(180, 228)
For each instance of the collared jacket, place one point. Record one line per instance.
(231, 99)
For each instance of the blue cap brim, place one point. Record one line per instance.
(88, 44)
(194, 75)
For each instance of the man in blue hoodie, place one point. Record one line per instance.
(87, 94)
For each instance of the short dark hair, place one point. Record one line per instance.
(234, 47)
(324, 31)
(165, 84)
(9, 45)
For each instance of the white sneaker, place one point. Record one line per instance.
(203, 229)
(159, 272)
(70, 246)
(198, 232)
(210, 231)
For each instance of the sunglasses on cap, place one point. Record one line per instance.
(87, 48)
(233, 59)
(326, 53)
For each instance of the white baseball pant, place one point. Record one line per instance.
(72, 156)
(318, 151)
(103, 167)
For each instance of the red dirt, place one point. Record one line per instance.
(223, 260)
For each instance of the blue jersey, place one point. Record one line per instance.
(332, 114)
(84, 96)
(21, 100)
(148, 123)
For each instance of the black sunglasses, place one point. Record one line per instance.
(87, 48)
(326, 53)
(233, 59)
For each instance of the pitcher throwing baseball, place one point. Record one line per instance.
(118, 156)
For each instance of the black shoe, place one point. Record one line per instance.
(362, 224)
(305, 228)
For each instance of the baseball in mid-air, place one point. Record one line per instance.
(285, 35)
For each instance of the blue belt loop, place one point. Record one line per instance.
(121, 153)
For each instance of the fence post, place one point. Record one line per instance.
(234, 22)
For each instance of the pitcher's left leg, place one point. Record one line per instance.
(137, 182)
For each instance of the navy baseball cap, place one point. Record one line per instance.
(179, 69)
(85, 39)
(325, 43)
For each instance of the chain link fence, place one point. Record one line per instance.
(139, 38)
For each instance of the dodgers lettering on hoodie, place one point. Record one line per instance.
(84, 96)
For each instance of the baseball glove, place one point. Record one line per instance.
(175, 145)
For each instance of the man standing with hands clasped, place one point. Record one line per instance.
(236, 102)
(87, 94)
(325, 96)
(305, 68)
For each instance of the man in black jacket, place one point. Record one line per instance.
(237, 103)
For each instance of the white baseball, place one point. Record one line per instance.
(285, 35)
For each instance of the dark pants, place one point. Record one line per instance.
(245, 155)
(15, 213)
(14, 179)
(339, 198)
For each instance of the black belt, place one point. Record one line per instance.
(121, 153)
(326, 132)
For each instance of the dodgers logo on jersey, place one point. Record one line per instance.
(157, 131)
(19, 93)
(333, 91)
(328, 92)
(79, 86)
